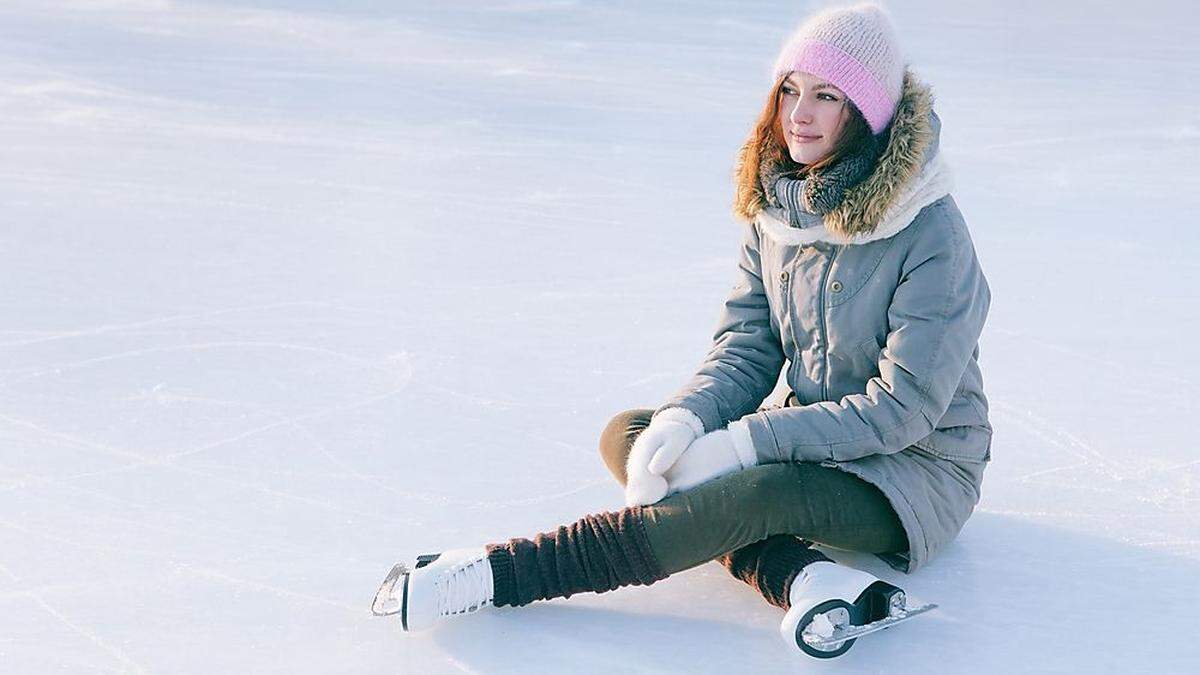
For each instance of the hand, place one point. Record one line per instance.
(669, 432)
(708, 457)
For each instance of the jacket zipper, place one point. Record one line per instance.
(821, 331)
(791, 310)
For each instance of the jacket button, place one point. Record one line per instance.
(783, 276)
(836, 287)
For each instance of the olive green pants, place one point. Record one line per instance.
(813, 502)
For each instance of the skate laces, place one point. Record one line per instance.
(465, 587)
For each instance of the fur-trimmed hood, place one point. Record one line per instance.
(908, 176)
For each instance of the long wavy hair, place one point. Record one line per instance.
(766, 145)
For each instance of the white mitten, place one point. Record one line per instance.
(710, 456)
(668, 434)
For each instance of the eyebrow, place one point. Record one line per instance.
(816, 87)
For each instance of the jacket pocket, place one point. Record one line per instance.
(868, 357)
(962, 434)
(958, 444)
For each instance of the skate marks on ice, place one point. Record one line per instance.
(36, 595)
(1118, 441)
(170, 461)
(258, 586)
(168, 561)
(1131, 375)
(133, 521)
(396, 368)
(1066, 594)
(132, 326)
(146, 522)
(393, 374)
(601, 635)
(1136, 504)
(386, 484)
(1083, 457)
(1159, 134)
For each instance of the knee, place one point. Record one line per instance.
(618, 437)
(762, 497)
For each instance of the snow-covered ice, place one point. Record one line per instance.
(292, 289)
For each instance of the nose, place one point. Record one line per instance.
(800, 112)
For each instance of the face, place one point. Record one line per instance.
(812, 113)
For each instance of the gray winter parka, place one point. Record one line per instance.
(877, 309)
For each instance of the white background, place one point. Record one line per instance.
(291, 290)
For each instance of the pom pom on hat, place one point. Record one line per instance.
(855, 49)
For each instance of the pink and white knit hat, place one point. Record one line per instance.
(854, 49)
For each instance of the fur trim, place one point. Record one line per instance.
(864, 205)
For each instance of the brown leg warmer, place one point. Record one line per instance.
(597, 553)
(770, 565)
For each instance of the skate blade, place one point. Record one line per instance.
(386, 603)
(840, 635)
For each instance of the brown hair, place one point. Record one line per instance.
(767, 145)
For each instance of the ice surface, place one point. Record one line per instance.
(292, 289)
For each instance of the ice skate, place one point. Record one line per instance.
(436, 586)
(833, 605)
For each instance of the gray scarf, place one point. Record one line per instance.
(806, 200)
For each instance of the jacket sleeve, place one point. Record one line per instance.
(743, 365)
(935, 319)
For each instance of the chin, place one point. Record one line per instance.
(804, 155)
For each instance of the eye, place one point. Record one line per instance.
(788, 91)
(828, 97)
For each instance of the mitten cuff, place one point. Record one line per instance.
(743, 445)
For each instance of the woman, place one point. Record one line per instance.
(856, 270)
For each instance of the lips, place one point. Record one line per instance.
(804, 138)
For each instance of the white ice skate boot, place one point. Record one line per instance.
(438, 585)
(833, 605)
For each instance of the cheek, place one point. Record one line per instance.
(832, 121)
(830, 125)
